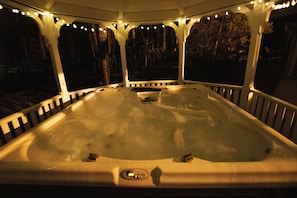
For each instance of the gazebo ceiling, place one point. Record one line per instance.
(130, 10)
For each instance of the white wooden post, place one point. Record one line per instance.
(258, 21)
(181, 35)
(121, 34)
(51, 31)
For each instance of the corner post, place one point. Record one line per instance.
(121, 32)
(258, 22)
(51, 31)
(181, 35)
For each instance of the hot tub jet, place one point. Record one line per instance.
(188, 158)
(92, 157)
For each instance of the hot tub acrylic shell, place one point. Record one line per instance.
(275, 170)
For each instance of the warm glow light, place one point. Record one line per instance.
(174, 87)
(15, 10)
(100, 29)
(1, 7)
(238, 8)
(89, 96)
(284, 5)
(252, 2)
(250, 96)
(82, 27)
(74, 26)
(36, 13)
(28, 13)
(293, 3)
(227, 13)
(92, 29)
(76, 105)
(53, 120)
(23, 13)
(260, 1)
(208, 18)
(46, 13)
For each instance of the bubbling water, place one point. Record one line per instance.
(115, 123)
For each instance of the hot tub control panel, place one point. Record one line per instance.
(135, 174)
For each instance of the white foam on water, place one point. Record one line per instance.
(115, 123)
(179, 139)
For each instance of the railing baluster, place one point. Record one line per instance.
(37, 116)
(288, 122)
(2, 137)
(229, 94)
(279, 117)
(71, 99)
(265, 111)
(55, 109)
(253, 105)
(222, 91)
(236, 97)
(32, 119)
(272, 113)
(22, 126)
(259, 108)
(12, 129)
(61, 104)
(293, 131)
(44, 112)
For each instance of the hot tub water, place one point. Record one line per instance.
(146, 125)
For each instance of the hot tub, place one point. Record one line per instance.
(181, 136)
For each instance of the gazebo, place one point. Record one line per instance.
(121, 16)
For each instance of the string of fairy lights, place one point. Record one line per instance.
(267, 4)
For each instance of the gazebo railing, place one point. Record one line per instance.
(18, 123)
(274, 112)
(230, 92)
(152, 83)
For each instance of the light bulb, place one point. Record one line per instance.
(15, 10)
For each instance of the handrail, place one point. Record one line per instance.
(274, 112)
